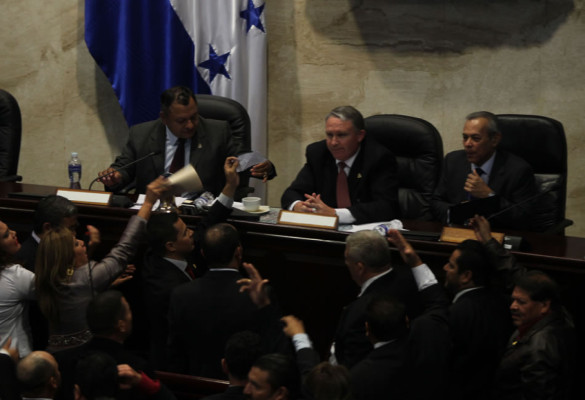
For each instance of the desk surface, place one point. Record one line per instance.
(538, 250)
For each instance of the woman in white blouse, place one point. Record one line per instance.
(17, 287)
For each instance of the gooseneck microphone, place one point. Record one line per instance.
(554, 186)
(151, 154)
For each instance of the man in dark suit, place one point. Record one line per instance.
(347, 174)
(109, 318)
(241, 352)
(481, 170)
(171, 258)
(479, 321)
(367, 257)
(51, 212)
(204, 313)
(205, 144)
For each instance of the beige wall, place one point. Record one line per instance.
(432, 59)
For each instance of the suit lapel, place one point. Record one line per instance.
(497, 171)
(156, 143)
(199, 144)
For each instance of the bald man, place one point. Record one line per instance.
(38, 375)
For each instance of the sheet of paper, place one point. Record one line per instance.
(248, 160)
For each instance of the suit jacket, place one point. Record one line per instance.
(511, 178)
(204, 313)
(27, 254)
(351, 343)
(210, 146)
(160, 277)
(372, 181)
(8, 383)
(480, 326)
(381, 373)
(231, 393)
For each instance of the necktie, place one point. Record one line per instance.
(342, 191)
(480, 173)
(179, 158)
(190, 271)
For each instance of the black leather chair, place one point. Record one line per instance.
(10, 134)
(225, 109)
(418, 148)
(541, 142)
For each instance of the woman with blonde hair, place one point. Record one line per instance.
(66, 280)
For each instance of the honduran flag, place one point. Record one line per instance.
(212, 46)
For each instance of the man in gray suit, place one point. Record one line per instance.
(178, 138)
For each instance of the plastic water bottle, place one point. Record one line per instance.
(74, 168)
(383, 229)
(203, 201)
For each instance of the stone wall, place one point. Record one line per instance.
(433, 59)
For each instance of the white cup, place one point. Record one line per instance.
(251, 203)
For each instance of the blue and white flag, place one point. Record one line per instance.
(212, 46)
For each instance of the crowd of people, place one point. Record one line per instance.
(493, 331)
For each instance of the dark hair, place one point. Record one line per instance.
(104, 311)
(219, 244)
(52, 209)
(328, 382)
(476, 258)
(492, 121)
(241, 351)
(348, 113)
(178, 94)
(540, 287)
(386, 318)
(282, 371)
(160, 230)
(96, 374)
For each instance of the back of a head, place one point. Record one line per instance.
(282, 372)
(52, 209)
(160, 229)
(476, 258)
(96, 376)
(348, 113)
(386, 318)
(540, 287)
(104, 311)
(179, 94)
(55, 256)
(328, 382)
(34, 373)
(241, 351)
(370, 248)
(219, 244)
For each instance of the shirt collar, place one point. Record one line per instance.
(171, 138)
(461, 293)
(350, 160)
(36, 237)
(180, 264)
(486, 166)
(371, 280)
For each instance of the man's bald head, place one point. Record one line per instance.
(38, 375)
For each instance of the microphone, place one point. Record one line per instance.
(552, 187)
(151, 154)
